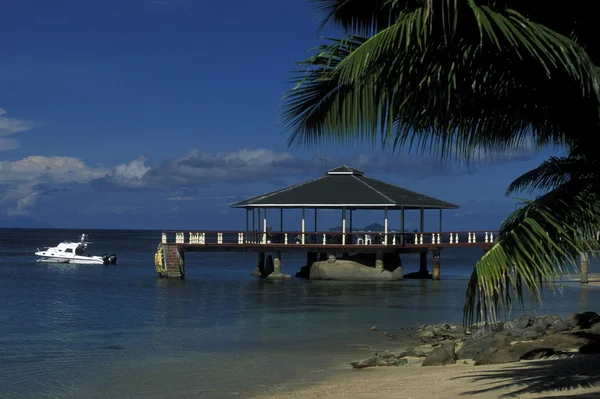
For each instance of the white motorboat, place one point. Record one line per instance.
(73, 252)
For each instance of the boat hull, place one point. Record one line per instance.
(95, 260)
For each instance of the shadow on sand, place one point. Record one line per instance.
(541, 377)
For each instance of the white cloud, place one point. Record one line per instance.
(25, 183)
(49, 169)
(22, 182)
(10, 126)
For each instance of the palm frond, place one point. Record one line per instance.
(356, 17)
(553, 173)
(408, 86)
(535, 245)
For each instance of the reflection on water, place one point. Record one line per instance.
(118, 331)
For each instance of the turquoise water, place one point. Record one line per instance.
(74, 331)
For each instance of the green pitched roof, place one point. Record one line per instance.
(344, 187)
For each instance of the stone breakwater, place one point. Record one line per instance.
(524, 338)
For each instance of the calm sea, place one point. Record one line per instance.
(74, 331)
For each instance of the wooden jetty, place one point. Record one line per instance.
(343, 188)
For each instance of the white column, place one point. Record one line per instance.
(343, 226)
(265, 221)
(303, 225)
(422, 219)
(265, 227)
(247, 219)
(385, 225)
(402, 224)
(253, 225)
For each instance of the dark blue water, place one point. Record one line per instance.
(75, 331)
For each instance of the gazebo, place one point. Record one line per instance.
(344, 188)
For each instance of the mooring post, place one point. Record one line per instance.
(435, 264)
(585, 265)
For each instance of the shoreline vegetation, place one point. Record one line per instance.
(527, 357)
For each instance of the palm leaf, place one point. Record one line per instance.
(409, 87)
(535, 245)
(357, 17)
(553, 173)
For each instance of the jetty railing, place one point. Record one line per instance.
(209, 237)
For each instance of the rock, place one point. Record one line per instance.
(584, 320)
(520, 323)
(537, 353)
(279, 276)
(387, 354)
(425, 335)
(256, 272)
(474, 346)
(487, 329)
(530, 334)
(560, 326)
(595, 329)
(387, 358)
(496, 356)
(442, 355)
(414, 353)
(374, 328)
(348, 270)
(380, 361)
(368, 362)
(565, 342)
(573, 320)
(591, 347)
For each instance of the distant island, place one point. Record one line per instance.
(22, 222)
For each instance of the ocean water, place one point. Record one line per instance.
(118, 331)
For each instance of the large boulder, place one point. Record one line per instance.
(584, 320)
(473, 346)
(442, 355)
(348, 270)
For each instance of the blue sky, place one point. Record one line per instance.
(159, 113)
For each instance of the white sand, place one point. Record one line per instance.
(532, 379)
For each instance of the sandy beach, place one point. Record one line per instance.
(572, 377)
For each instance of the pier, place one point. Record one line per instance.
(375, 254)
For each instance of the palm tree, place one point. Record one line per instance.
(462, 79)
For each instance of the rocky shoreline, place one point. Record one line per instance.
(524, 338)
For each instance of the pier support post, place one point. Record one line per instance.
(585, 265)
(174, 262)
(435, 264)
(379, 260)
(423, 263)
